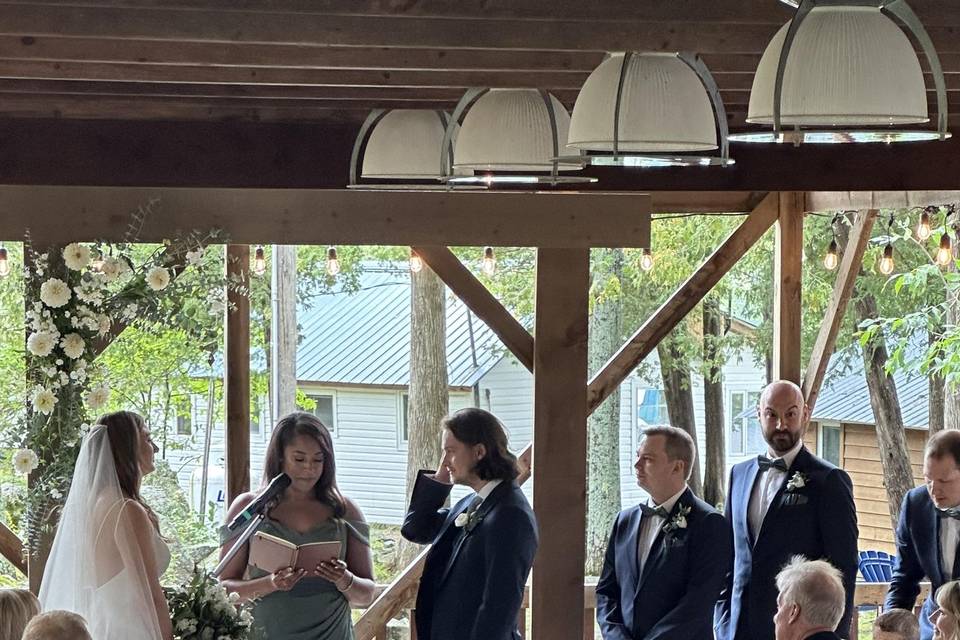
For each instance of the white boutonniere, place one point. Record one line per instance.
(461, 520)
(797, 481)
(678, 521)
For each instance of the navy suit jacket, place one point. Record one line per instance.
(918, 555)
(682, 577)
(818, 521)
(472, 582)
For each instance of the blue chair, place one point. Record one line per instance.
(876, 566)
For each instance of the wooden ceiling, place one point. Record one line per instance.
(332, 61)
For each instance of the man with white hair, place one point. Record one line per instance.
(811, 600)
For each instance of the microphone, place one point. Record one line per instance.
(275, 488)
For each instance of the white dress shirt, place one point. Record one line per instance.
(949, 537)
(487, 489)
(650, 527)
(765, 489)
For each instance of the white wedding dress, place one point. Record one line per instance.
(96, 567)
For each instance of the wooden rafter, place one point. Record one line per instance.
(847, 273)
(687, 296)
(787, 276)
(476, 296)
(11, 548)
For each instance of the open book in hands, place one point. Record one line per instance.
(270, 553)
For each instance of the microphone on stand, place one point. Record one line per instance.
(274, 489)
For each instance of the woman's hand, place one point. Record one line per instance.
(336, 572)
(285, 579)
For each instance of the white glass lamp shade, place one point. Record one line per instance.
(847, 66)
(509, 130)
(664, 107)
(405, 144)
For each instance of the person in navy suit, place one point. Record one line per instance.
(790, 503)
(667, 560)
(810, 601)
(483, 547)
(928, 531)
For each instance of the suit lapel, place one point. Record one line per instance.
(629, 549)
(658, 547)
(746, 491)
(799, 466)
(937, 550)
(489, 503)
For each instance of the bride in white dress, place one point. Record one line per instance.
(108, 555)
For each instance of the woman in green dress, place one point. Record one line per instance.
(296, 604)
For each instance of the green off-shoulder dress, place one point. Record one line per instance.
(313, 609)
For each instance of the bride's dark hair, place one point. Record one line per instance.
(300, 423)
(123, 431)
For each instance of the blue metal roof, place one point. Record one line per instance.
(363, 337)
(845, 397)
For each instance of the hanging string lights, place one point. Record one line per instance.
(4, 262)
(259, 261)
(886, 263)
(488, 264)
(646, 260)
(832, 258)
(333, 262)
(416, 262)
(923, 227)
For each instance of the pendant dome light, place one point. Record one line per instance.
(509, 136)
(650, 109)
(845, 71)
(400, 148)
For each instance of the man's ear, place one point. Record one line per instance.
(794, 612)
(480, 450)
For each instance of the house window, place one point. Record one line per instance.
(324, 410)
(184, 408)
(651, 407)
(404, 406)
(184, 425)
(746, 437)
(830, 443)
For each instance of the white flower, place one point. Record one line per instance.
(44, 400)
(55, 493)
(73, 345)
(158, 278)
(103, 325)
(97, 397)
(130, 310)
(111, 269)
(41, 343)
(461, 520)
(233, 597)
(25, 461)
(76, 256)
(54, 293)
(797, 481)
(681, 522)
(194, 257)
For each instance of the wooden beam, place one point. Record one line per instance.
(283, 331)
(787, 278)
(849, 268)
(860, 200)
(11, 548)
(479, 299)
(682, 302)
(560, 441)
(294, 216)
(236, 370)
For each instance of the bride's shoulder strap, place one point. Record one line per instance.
(107, 514)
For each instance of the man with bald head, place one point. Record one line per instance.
(928, 532)
(780, 505)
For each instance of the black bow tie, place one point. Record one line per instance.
(766, 464)
(647, 511)
(952, 512)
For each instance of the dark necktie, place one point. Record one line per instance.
(648, 511)
(952, 512)
(766, 464)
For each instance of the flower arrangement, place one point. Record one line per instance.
(203, 610)
(679, 520)
(79, 298)
(797, 481)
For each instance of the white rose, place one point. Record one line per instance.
(111, 269)
(73, 345)
(103, 325)
(76, 256)
(25, 461)
(461, 520)
(41, 343)
(44, 400)
(194, 257)
(158, 278)
(97, 397)
(54, 293)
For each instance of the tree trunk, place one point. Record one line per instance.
(897, 473)
(429, 391)
(675, 371)
(713, 423)
(936, 395)
(603, 426)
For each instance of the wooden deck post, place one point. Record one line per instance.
(787, 279)
(283, 338)
(236, 374)
(560, 439)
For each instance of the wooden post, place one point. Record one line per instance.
(283, 336)
(236, 372)
(560, 437)
(11, 548)
(787, 278)
(850, 266)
